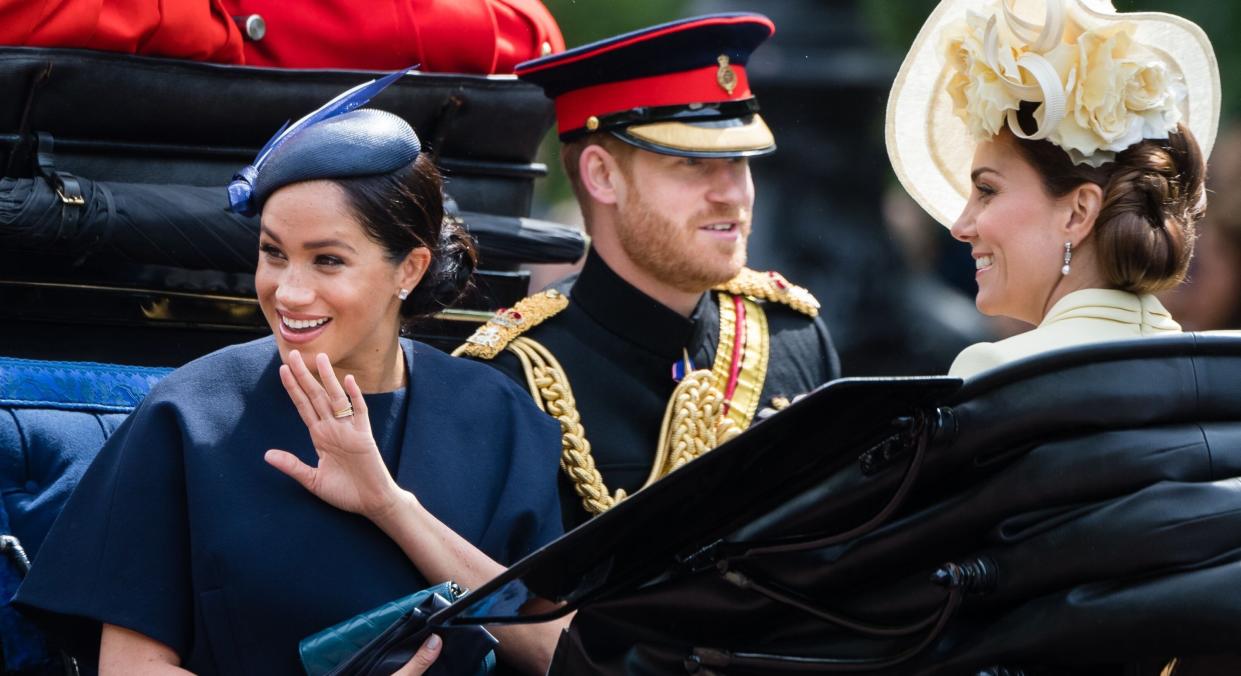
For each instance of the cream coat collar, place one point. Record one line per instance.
(1123, 307)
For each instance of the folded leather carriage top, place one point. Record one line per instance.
(114, 115)
(112, 198)
(1075, 512)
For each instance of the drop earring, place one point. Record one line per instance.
(403, 294)
(1068, 256)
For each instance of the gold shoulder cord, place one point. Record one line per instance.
(694, 421)
(549, 387)
(692, 425)
(699, 417)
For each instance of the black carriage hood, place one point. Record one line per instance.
(1076, 494)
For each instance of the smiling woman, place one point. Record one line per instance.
(318, 278)
(270, 490)
(1086, 176)
(1127, 225)
(327, 248)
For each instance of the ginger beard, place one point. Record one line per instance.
(686, 256)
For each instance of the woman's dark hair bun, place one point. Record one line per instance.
(1153, 197)
(453, 262)
(1152, 201)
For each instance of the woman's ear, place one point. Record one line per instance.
(601, 174)
(1084, 202)
(411, 270)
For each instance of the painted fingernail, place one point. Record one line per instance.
(433, 643)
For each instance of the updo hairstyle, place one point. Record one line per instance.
(1153, 197)
(404, 210)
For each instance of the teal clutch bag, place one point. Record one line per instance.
(324, 651)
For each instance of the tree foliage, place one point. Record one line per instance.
(584, 21)
(895, 23)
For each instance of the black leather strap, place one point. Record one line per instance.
(66, 185)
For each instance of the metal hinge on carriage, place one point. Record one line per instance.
(909, 431)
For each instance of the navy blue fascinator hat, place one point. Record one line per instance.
(335, 141)
(374, 156)
(360, 143)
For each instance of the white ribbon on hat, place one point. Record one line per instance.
(1039, 40)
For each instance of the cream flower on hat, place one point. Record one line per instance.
(979, 94)
(1000, 60)
(1101, 82)
(1120, 93)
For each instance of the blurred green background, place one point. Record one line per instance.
(584, 21)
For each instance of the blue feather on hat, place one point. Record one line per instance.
(241, 191)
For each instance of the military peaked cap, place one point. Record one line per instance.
(679, 88)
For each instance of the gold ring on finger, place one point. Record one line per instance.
(344, 412)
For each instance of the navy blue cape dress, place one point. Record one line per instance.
(180, 531)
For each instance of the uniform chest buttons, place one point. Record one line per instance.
(252, 26)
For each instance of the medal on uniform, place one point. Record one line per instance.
(682, 366)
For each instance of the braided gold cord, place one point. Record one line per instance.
(693, 424)
(694, 421)
(551, 386)
(528, 368)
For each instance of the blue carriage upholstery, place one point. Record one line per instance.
(54, 418)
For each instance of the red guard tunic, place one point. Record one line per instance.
(457, 36)
(454, 36)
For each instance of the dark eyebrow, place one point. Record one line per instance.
(316, 244)
(982, 170)
(325, 243)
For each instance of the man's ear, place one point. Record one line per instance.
(601, 174)
(412, 269)
(1084, 203)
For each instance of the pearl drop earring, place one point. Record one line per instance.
(1068, 256)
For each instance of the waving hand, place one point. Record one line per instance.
(350, 474)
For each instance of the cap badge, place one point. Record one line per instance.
(592, 123)
(725, 77)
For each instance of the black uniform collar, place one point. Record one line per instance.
(634, 316)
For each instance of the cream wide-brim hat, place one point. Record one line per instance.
(932, 150)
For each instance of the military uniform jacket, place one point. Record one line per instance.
(618, 348)
(180, 531)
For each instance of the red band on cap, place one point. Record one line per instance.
(701, 85)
